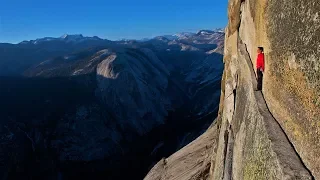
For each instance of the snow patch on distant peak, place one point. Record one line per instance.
(184, 35)
(74, 36)
(64, 36)
(210, 32)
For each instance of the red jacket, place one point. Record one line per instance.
(260, 61)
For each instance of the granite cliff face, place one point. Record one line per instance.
(273, 134)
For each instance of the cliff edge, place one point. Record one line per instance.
(273, 134)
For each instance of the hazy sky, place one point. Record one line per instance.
(132, 19)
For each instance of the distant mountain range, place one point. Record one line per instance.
(76, 38)
(81, 107)
(16, 58)
(183, 35)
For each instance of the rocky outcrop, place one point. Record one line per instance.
(273, 134)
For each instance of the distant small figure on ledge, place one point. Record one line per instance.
(260, 67)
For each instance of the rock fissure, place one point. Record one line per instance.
(228, 156)
(226, 143)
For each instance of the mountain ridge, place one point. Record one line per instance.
(96, 108)
(81, 37)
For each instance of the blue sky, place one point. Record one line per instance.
(116, 19)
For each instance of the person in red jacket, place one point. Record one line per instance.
(260, 67)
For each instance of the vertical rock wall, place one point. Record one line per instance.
(274, 134)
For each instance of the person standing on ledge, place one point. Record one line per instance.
(260, 67)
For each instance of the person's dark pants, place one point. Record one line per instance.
(260, 77)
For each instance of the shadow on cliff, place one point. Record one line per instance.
(31, 108)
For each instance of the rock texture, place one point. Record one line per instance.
(191, 162)
(252, 144)
(273, 134)
(290, 33)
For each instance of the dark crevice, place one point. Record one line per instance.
(234, 100)
(240, 15)
(226, 139)
(229, 142)
(228, 155)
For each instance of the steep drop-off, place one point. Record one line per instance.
(273, 134)
(101, 108)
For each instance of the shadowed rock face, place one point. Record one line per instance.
(96, 112)
(133, 85)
